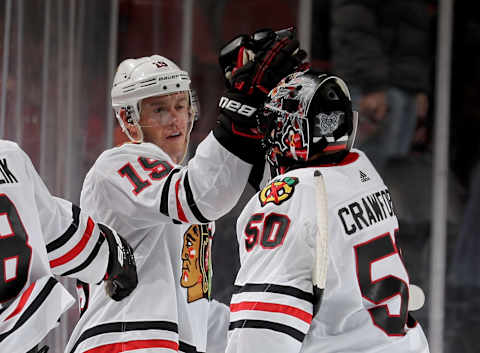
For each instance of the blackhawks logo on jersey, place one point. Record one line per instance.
(278, 191)
(196, 264)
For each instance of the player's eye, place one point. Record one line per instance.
(160, 110)
(181, 106)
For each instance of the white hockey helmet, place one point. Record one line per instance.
(145, 77)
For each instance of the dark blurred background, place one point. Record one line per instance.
(58, 59)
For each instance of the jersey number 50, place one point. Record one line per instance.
(15, 252)
(270, 230)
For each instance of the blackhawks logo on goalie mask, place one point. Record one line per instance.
(196, 264)
(278, 191)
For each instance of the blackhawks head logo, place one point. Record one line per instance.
(278, 191)
(196, 266)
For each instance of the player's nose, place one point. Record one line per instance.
(173, 116)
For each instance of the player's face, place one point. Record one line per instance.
(191, 273)
(165, 122)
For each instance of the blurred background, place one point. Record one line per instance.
(413, 67)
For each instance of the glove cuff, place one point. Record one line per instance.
(113, 251)
(245, 144)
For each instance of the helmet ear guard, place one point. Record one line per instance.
(129, 114)
(131, 118)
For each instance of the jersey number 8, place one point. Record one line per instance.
(15, 252)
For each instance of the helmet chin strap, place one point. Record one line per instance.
(189, 131)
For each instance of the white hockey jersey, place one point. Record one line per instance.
(40, 235)
(164, 211)
(364, 307)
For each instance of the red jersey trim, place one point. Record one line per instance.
(22, 302)
(131, 345)
(181, 214)
(273, 308)
(77, 249)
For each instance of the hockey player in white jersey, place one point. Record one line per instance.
(42, 236)
(321, 270)
(165, 210)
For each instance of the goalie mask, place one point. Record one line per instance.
(309, 120)
(137, 79)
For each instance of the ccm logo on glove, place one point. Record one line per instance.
(236, 107)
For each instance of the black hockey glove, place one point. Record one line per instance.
(121, 277)
(252, 66)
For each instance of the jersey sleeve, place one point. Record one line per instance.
(216, 180)
(75, 246)
(273, 300)
(149, 191)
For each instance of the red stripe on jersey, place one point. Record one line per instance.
(181, 214)
(22, 302)
(274, 308)
(131, 345)
(77, 249)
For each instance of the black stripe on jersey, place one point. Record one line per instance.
(89, 259)
(125, 326)
(33, 350)
(33, 307)
(62, 240)
(274, 288)
(187, 348)
(165, 191)
(191, 201)
(274, 326)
